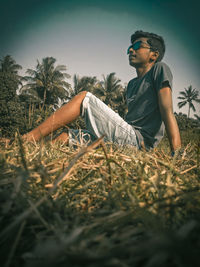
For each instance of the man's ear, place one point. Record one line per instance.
(154, 55)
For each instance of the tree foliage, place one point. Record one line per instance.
(8, 86)
(185, 123)
(108, 89)
(197, 117)
(8, 65)
(112, 93)
(85, 83)
(11, 110)
(188, 96)
(47, 83)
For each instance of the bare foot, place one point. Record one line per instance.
(62, 138)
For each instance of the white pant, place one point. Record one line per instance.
(102, 120)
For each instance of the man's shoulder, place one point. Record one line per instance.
(161, 69)
(160, 65)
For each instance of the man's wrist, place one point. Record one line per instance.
(176, 151)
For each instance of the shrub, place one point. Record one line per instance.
(8, 86)
(186, 123)
(11, 111)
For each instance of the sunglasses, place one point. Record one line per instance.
(137, 45)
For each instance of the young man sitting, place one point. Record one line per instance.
(149, 100)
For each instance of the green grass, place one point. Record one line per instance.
(99, 206)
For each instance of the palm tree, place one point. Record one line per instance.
(8, 65)
(47, 82)
(188, 96)
(85, 83)
(121, 103)
(109, 90)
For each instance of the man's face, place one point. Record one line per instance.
(142, 54)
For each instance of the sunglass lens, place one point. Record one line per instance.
(136, 45)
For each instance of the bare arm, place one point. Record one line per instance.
(166, 110)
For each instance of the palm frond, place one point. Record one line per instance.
(182, 104)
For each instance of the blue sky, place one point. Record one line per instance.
(91, 37)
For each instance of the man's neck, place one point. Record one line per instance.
(141, 71)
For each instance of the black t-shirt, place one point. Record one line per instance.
(142, 100)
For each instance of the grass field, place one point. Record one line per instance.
(100, 205)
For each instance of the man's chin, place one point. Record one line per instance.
(132, 64)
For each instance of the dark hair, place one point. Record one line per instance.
(155, 41)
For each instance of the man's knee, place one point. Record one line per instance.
(82, 96)
(83, 93)
(79, 97)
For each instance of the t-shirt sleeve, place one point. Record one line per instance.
(162, 76)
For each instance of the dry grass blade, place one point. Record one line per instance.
(168, 165)
(108, 162)
(189, 169)
(22, 152)
(152, 208)
(68, 170)
(14, 246)
(21, 217)
(34, 207)
(44, 222)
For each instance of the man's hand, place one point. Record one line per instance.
(166, 110)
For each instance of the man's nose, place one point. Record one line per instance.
(131, 50)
